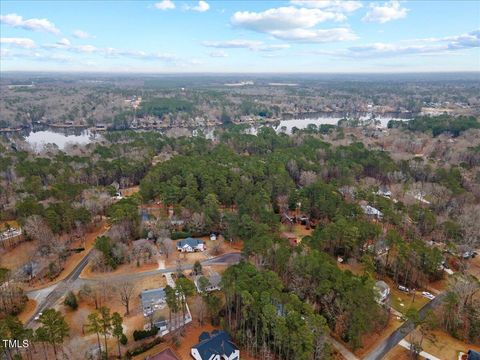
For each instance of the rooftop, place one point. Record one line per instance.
(152, 295)
(218, 342)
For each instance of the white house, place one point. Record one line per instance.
(371, 211)
(383, 291)
(190, 245)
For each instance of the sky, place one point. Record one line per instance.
(296, 36)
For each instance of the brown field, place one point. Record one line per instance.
(398, 353)
(15, 257)
(130, 191)
(30, 307)
(440, 344)
(474, 268)
(12, 223)
(370, 341)
(123, 269)
(355, 267)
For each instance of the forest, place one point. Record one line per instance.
(246, 187)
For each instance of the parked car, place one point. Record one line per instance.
(37, 318)
(403, 288)
(428, 295)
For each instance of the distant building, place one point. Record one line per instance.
(190, 245)
(371, 211)
(152, 300)
(215, 346)
(383, 191)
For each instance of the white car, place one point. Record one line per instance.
(403, 288)
(428, 295)
(37, 318)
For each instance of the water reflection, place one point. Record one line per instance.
(38, 139)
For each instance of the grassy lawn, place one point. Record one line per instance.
(398, 297)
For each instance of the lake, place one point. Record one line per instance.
(62, 137)
(39, 139)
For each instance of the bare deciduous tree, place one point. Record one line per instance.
(125, 290)
(37, 229)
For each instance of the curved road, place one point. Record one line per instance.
(70, 280)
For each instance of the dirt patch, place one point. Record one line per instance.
(371, 340)
(355, 267)
(28, 311)
(12, 223)
(15, 257)
(438, 286)
(474, 267)
(130, 191)
(398, 353)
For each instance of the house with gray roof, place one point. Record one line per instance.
(152, 300)
(190, 245)
(213, 284)
(383, 291)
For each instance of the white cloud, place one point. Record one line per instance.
(137, 54)
(25, 43)
(253, 45)
(316, 35)
(218, 54)
(428, 46)
(299, 24)
(283, 18)
(202, 6)
(64, 42)
(34, 24)
(230, 44)
(79, 34)
(330, 5)
(384, 13)
(165, 5)
(84, 48)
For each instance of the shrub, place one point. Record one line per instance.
(71, 301)
(142, 334)
(144, 347)
(123, 339)
(180, 235)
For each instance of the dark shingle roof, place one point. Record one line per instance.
(189, 241)
(216, 343)
(473, 355)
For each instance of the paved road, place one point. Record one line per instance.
(381, 350)
(59, 289)
(347, 354)
(73, 281)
